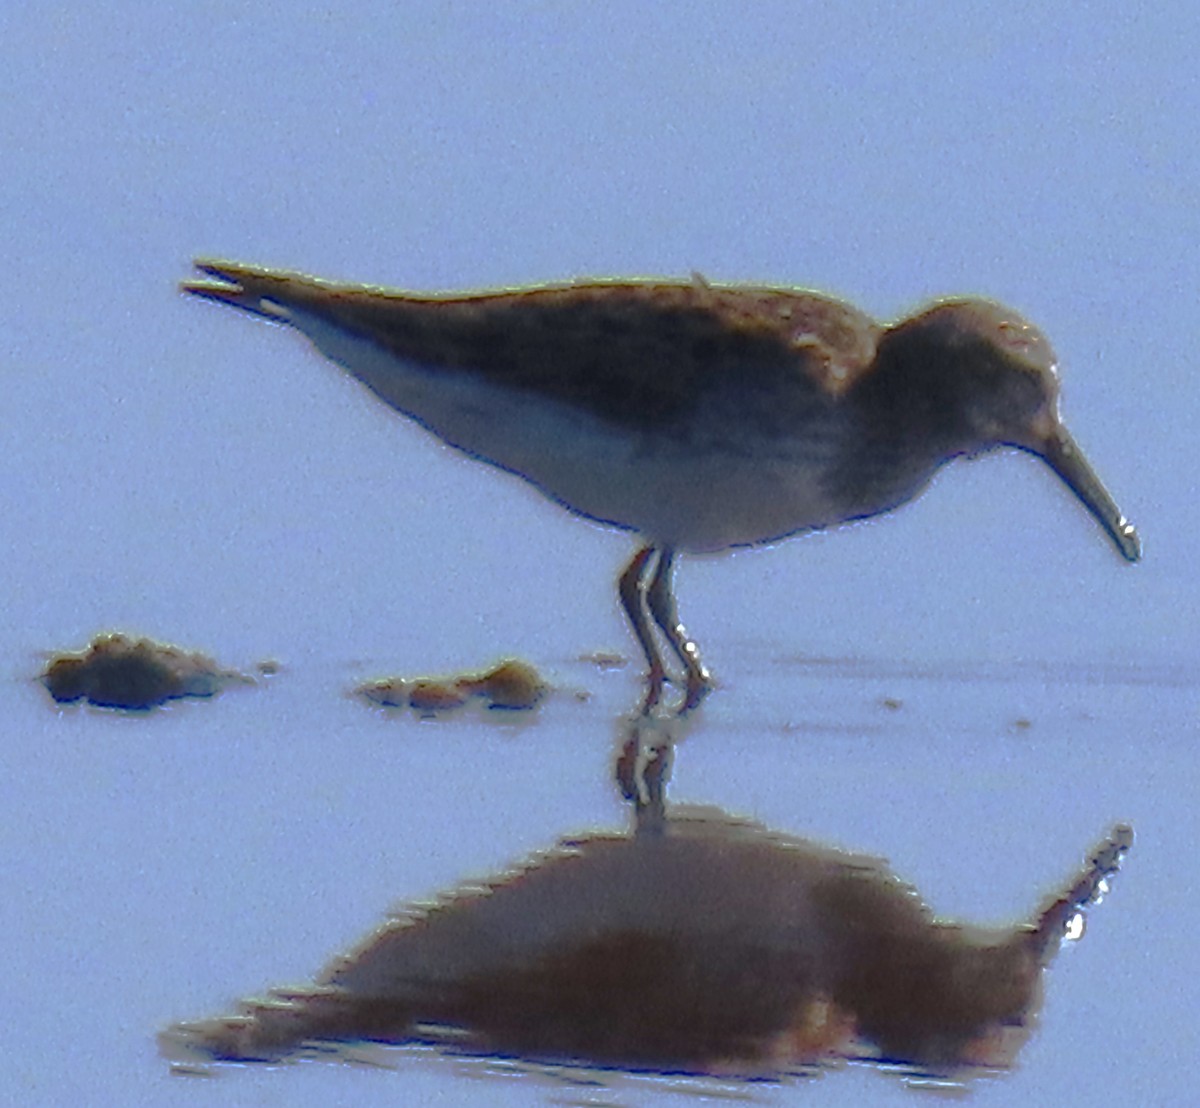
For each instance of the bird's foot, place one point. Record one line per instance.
(699, 684)
(656, 679)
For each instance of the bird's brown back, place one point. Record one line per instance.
(633, 353)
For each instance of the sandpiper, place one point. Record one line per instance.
(700, 416)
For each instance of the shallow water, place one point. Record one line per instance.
(174, 472)
(169, 864)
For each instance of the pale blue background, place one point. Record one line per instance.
(170, 469)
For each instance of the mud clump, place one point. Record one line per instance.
(510, 686)
(135, 674)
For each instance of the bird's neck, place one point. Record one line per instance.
(905, 426)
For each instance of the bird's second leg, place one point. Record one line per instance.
(660, 599)
(633, 599)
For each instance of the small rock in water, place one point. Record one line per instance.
(119, 672)
(512, 685)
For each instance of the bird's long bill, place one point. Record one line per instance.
(1067, 460)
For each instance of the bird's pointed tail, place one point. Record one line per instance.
(245, 287)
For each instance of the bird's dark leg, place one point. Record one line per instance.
(661, 602)
(633, 599)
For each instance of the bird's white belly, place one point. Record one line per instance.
(694, 495)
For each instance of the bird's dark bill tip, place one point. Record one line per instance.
(1128, 540)
(1068, 461)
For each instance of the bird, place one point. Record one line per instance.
(700, 416)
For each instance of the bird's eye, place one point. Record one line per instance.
(1017, 336)
(1024, 341)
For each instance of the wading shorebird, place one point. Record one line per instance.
(700, 416)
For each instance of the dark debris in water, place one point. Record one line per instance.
(116, 671)
(512, 685)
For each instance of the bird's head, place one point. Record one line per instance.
(993, 379)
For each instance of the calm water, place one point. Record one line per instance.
(179, 473)
(163, 866)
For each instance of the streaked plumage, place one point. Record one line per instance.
(702, 417)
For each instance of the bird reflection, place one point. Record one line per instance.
(695, 943)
